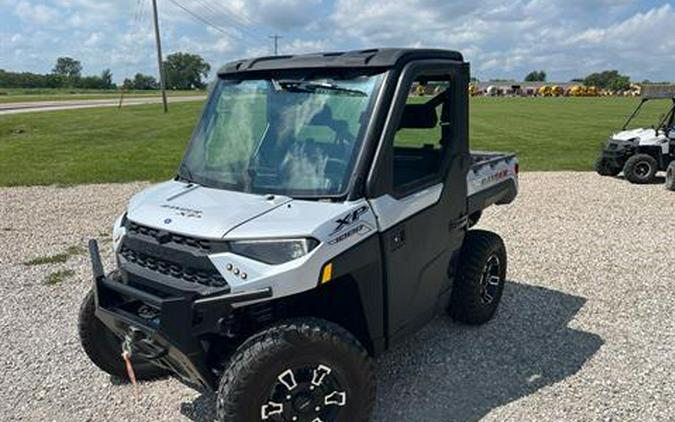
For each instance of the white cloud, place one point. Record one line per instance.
(567, 38)
(93, 39)
(38, 14)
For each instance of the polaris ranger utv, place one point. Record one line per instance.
(319, 216)
(641, 152)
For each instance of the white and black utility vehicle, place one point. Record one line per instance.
(641, 152)
(320, 215)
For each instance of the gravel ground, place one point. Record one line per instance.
(585, 330)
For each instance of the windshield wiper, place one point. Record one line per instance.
(185, 174)
(313, 87)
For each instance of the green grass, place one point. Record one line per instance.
(58, 258)
(15, 95)
(58, 277)
(141, 143)
(94, 145)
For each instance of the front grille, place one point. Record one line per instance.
(166, 237)
(210, 278)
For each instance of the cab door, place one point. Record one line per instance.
(418, 191)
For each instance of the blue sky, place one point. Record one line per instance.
(502, 39)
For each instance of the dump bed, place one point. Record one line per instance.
(492, 179)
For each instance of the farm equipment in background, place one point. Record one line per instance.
(544, 91)
(641, 152)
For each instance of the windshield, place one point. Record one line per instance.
(295, 137)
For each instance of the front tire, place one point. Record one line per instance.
(104, 349)
(670, 176)
(604, 168)
(304, 368)
(640, 169)
(479, 283)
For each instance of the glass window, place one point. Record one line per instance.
(418, 143)
(296, 137)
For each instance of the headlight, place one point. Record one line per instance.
(118, 230)
(274, 251)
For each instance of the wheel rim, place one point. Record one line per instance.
(305, 394)
(643, 169)
(490, 280)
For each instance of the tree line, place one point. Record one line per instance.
(607, 79)
(183, 71)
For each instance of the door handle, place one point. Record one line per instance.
(397, 239)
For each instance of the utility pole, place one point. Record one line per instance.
(276, 39)
(162, 83)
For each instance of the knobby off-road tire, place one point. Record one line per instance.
(604, 168)
(640, 169)
(670, 176)
(479, 283)
(256, 383)
(105, 349)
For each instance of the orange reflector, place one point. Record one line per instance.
(327, 273)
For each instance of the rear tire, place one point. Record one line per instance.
(479, 283)
(670, 176)
(104, 349)
(604, 168)
(257, 381)
(640, 169)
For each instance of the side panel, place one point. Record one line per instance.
(363, 263)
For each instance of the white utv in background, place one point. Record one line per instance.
(319, 216)
(641, 152)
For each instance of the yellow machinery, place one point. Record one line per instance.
(473, 90)
(574, 91)
(557, 91)
(544, 91)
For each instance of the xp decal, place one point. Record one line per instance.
(361, 229)
(349, 219)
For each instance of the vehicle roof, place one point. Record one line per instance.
(372, 58)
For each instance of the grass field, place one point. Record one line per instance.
(140, 143)
(16, 95)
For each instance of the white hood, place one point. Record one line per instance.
(196, 210)
(640, 133)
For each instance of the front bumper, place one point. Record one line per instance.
(616, 152)
(168, 329)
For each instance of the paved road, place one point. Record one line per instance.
(38, 106)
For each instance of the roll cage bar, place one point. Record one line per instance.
(665, 122)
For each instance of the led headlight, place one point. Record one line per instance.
(274, 251)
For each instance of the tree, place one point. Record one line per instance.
(141, 82)
(608, 79)
(536, 76)
(106, 79)
(185, 71)
(67, 67)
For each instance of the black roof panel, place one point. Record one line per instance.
(383, 57)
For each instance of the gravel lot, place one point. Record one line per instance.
(586, 330)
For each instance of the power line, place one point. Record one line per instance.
(276, 39)
(200, 18)
(231, 19)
